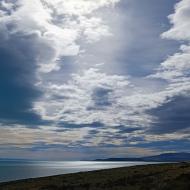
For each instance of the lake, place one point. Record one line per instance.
(16, 170)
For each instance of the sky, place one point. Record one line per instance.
(84, 79)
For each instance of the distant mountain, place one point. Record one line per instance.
(168, 157)
(120, 159)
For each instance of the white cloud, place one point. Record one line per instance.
(79, 7)
(180, 22)
(94, 96)
(75, 103)
(51, 22)
(176, 67)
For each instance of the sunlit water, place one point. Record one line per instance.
(14, 170)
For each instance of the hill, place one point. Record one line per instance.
(169, 157)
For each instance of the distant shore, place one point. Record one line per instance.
(175, 176)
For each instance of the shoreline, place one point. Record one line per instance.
(161, 176)
(33, 169)
(94, 170)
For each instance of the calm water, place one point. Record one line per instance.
(14, 170)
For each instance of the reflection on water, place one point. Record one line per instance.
(14, 170)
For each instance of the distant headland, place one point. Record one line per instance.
(167, 157)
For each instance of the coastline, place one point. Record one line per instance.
(155, 176)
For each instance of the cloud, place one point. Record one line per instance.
(100, 96)
(80, 7)
(172, 115)
(59, 71)
(22, 137)
(64, 153)
(34, 38)
(54, 153)
(111, 152)
(180, 22)
(17, 81)
(51, 40)
(86, 98)
(176, 67)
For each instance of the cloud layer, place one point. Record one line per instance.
(60, 84)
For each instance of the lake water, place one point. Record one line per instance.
(15, 170)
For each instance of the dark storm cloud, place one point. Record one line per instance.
(17, 79)
(173, 116)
